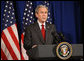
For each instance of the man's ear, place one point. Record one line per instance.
(36, 14)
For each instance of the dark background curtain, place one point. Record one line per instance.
(65, 15)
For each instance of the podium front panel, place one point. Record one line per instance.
(49, 51)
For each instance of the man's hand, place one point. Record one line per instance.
(34, 46)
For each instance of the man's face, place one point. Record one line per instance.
(42, 14)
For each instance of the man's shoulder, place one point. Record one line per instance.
(50, 24)
(31, 25)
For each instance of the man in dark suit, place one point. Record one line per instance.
(41, 32)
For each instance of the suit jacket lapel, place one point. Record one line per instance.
(38, 31)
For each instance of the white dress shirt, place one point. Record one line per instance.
(40, 25)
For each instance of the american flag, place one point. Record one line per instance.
(10, 49)
(28, 18)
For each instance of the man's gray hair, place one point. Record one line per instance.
(40, 6)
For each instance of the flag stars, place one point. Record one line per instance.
(3, 19)
(6, 20)
(48, 17)
(13, 13)
(31, 17)
(9, 7)
(48, 4)
(10, 3)
(28, 15)
(27, 19)
(25, 23)
(49, 13)
(7, 1)
(50, 22)
(45, 2)
(4, 14)
(32, 13)
(5, 24)
(29, 11)
(30, 7)
(24, 13)
(8, 16)
(28, 1)
(11, 22)
(31, 3)
(27, 5)
(25, 9)
(11, 17)
(23, 17)
(5, 10)
(47, 21)
(8, 11)
(6, 6)
(30, 20)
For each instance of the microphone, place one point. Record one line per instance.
(62, 36)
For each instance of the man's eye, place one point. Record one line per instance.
(46, 12)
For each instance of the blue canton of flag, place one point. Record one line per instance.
(8, 16)
(28, 17)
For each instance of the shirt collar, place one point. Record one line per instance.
(40, 24)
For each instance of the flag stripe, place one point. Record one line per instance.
(22, 37)
(8, 46)
(3, 55)
(23, 53)
(14, 28)
(22, 58)
(5, 50)
(14, 37)
(11, 41)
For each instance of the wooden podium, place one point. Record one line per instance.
(48, 52)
